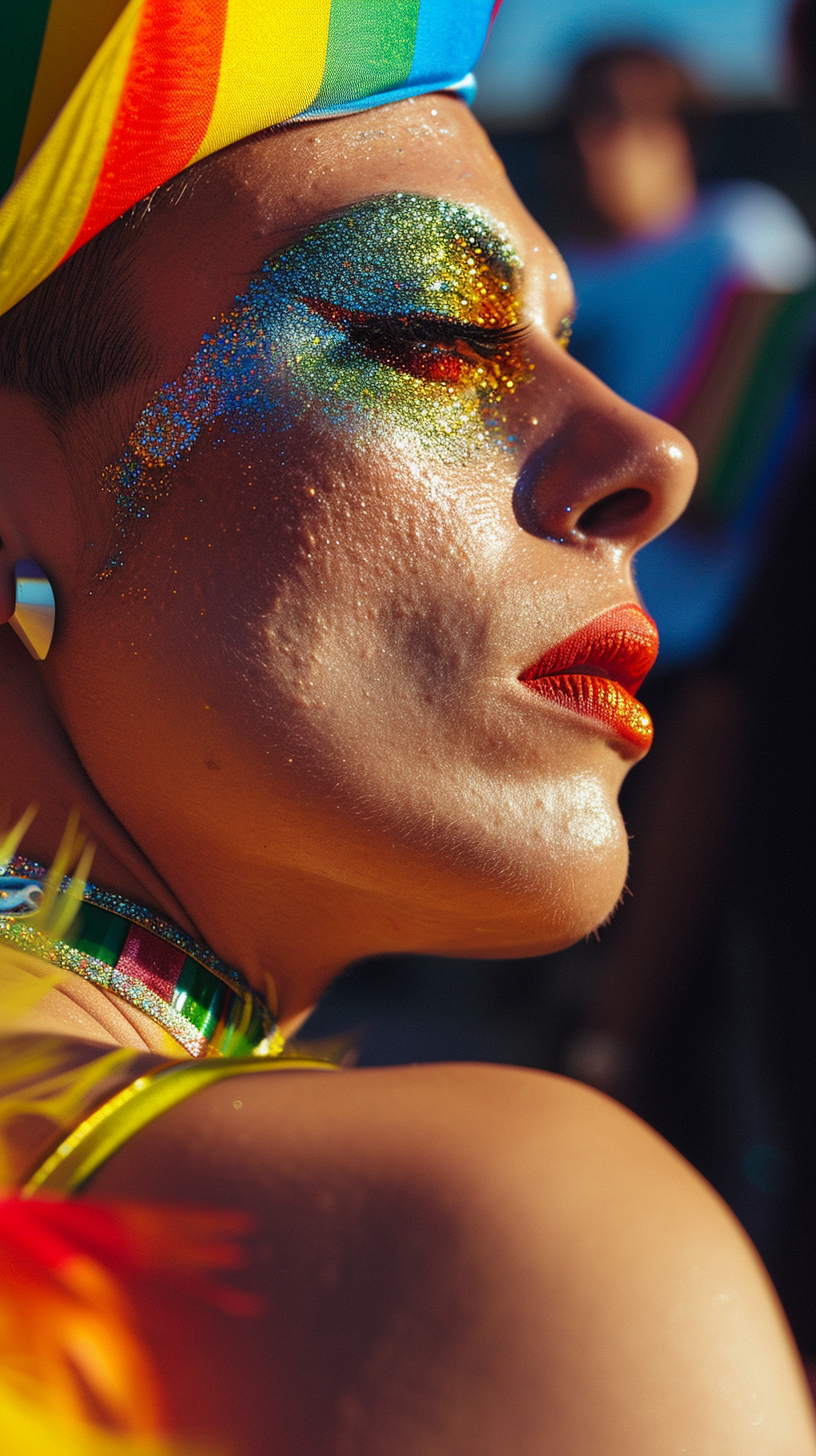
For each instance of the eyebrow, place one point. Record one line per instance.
(498, 240)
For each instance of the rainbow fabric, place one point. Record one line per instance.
(104, 100)
(746, 404)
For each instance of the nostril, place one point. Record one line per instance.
(613, 513)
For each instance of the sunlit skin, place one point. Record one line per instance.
(292, 719)
(329, 630)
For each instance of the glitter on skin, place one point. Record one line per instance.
(356, 319)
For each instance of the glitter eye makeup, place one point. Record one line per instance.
(398, 315)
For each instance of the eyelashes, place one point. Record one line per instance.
(427, 346)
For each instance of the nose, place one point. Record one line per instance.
(606, 472)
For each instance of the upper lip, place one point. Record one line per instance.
(620, 644)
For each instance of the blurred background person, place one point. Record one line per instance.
(677, 290)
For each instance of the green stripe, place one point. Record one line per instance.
(98, 933)
(22, 28)
(370, 48)
(199, 996)
(776, 368)
(228, 1039)
(232, 1042)
(255, 1032)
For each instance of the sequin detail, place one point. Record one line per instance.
(156, 967)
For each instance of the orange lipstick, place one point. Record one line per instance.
(598, 669)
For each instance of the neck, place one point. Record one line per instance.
(257, 926)
(266, 917)
(48, 773)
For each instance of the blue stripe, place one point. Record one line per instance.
(450, 38)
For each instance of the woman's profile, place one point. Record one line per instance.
(335, 541)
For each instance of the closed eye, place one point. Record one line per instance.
(428, 346)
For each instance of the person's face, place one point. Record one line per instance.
(374, 495)
(638, 167)
(638, 172)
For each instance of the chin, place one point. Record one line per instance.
(540, 892)
(553, 923)
(592, 896)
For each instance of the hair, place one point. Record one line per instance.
(626, 80)
(79, 334)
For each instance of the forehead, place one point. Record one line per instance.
(430, 144)
(260, 195)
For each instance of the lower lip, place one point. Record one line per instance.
(601, 699)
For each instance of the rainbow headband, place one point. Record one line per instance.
(104, 100)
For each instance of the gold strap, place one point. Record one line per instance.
(84, 1150)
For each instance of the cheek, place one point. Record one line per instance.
(322, 622)
(390, 599)
(305, 561)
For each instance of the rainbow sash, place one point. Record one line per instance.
(754, 363)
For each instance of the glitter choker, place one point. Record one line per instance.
(148, 961)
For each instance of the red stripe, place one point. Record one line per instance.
(166, 105)
(151, 961)
(684, 389)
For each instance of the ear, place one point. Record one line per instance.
(12, 542)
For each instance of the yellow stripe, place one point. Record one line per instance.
(271, 67)
(83, 1152)
(69, 46)
(45, 208)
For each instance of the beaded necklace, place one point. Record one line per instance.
(153, 965)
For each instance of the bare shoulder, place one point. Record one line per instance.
(481, 1260)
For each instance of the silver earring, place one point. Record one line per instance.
(34, 608)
